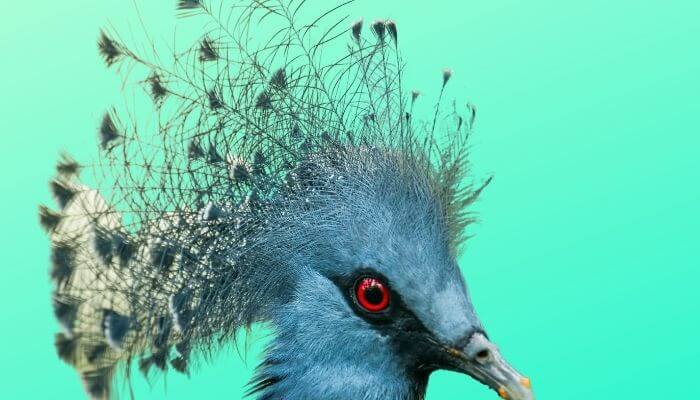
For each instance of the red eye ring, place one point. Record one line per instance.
(372, 294)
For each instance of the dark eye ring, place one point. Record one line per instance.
(372, 294)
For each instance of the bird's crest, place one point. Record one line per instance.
(243, 127)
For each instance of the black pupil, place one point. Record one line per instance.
(374, 294)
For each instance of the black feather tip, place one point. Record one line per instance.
(213, 156)
(179, 364)
(179, 310)
(164, 326)
(159, 359)
(188, 4)
(158, 91)
(67, 167)
(65, 313)
(194, 150)
(207, 50)
(66, 347)
(61, 263)
(264, 101)
(472, 114)
(48, 219)
(62, 191)
(102, 244)
(109, 49)
(296, 132)
(446, 75)
(258, 163)
(184, 348)
(108, 132)
(391, 28)
(279, 79)
(241, 174)
(214, 101)
(379, 29)
(414, 96)
(96, 352)
(162, 256)
(145, 365)
(123, 249)
(356, 29)
(97, 383)
(115, 328)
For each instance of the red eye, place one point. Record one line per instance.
(372, 294)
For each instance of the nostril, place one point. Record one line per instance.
(480, 350)
(483, 355)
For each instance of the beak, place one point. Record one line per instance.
(482, 361)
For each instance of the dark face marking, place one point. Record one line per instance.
(410, 338)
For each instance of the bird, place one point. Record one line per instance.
(282, 181)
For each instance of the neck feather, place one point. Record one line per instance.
(331, 354)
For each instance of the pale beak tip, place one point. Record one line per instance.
(527, 384)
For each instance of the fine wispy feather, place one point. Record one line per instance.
(176, 246)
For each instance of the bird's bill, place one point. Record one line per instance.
(481, 360)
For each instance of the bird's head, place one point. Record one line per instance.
(376, 301)
(282, 187)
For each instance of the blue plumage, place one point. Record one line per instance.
(305, 197)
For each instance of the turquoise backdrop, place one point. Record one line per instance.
(585, 267)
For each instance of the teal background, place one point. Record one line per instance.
(584, 268)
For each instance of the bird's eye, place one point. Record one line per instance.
(372, 294)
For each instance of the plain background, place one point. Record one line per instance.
(585, 266)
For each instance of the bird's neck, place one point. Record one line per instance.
(331, 379)
(291, 374)
(331, 355)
